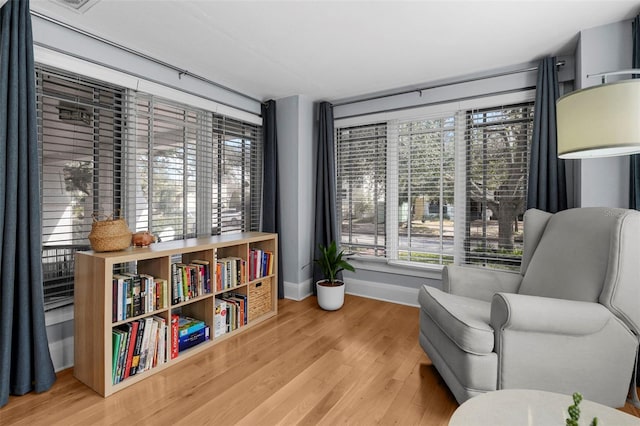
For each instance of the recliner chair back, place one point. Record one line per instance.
(568, 263)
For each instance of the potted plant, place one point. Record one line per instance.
(331, 290)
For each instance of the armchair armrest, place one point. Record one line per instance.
(519, 312)
(478, 283)
(562, 345)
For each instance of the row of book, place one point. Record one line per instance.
(230, 272)
(190, 280)
(138, 346)
(231, 311)
(137, 294)
(148, 342)
(260, 263)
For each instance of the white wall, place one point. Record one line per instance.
(604, 181)
(295, 121)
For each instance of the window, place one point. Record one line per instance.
(80, 141)
(362, 187)
(425, 181)
(497, 161)
(446, 187)
(174, 169)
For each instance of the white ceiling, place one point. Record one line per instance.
(340, 49)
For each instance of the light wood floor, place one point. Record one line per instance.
(359, 365)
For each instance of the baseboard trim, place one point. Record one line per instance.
(297, 291)
(381, 291)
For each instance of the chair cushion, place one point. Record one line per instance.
(464, 320)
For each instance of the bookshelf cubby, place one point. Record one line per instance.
(94, 304)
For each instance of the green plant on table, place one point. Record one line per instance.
(574, 411)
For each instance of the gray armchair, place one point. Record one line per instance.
(569, 321)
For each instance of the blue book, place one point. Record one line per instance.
(193, 339)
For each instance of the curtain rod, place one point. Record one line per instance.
(435, 86)
(181, 72)
(429, 104)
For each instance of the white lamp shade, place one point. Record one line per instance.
(600, 121)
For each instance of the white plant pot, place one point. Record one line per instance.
(330, 298)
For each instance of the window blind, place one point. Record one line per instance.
(425, 182)
(497, 159)
(442, 187)
(80, 144)
(361, 188)
(191, 172)
(167, 167)
(160, 176)
(237, 190)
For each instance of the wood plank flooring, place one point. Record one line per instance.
(359, 365)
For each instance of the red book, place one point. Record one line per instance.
(174, 335)
(132, 340)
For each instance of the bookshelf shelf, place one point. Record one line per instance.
(94, 299)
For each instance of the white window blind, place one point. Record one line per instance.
(445, 187)
(361, 186)
(497, 159)
(80, 144)
(426, 150)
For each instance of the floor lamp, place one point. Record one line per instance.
(601, 121)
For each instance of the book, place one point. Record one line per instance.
(122, 354)
(160, 356)
(161, 293)
(232, 314)
(242, 307)
(117, 337)
(187, 325)
(152, 346)
(175, 293)
(114, 300)
(149, 291)
(185, 276)
(132, 336)
(174, 336)
(135, 360)
(190, 340)
(136, 294)
(220, 318)
(269, 255)
(144, 345)
(205, 274)
(121, 299)
(218, 276)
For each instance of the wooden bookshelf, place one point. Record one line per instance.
(93, 306)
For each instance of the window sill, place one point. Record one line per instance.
(397, 267)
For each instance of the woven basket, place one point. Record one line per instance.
(109, 234)
(260, 300)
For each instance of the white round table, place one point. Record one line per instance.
(515, 407)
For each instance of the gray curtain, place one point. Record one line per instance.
(25, 362)
(270, 183)
(547, 187)
(634, 171)
(326, 227)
